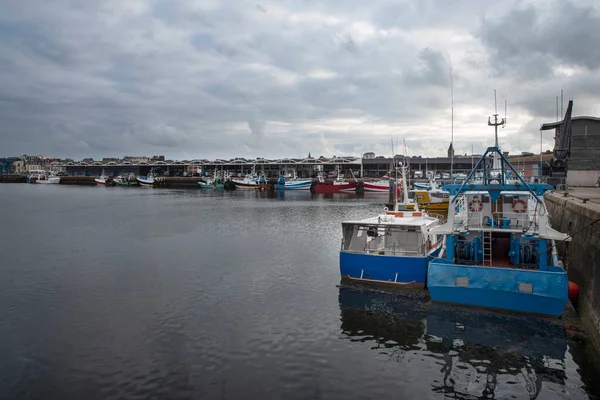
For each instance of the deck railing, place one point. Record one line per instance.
(498, 220)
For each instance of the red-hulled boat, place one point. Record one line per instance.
(335, 186)
(381, 186)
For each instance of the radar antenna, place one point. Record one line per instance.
(496, 123)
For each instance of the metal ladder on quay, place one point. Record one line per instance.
(487, 247)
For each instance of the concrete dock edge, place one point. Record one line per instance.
(569, 213)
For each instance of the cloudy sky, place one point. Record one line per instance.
(210, 79)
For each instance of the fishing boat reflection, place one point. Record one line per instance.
(390, 320)
(463, 353)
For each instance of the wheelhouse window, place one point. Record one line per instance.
(385, 240)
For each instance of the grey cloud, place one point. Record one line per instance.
(530, 41)
(432, 68)
(212, 79)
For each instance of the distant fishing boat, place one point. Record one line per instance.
(147, 180)
(102, 180)
(293, 183)
(432, 199)
(41, 176)
(500, 249)
(380, 186)
(391, 249)
(247, 182)
(214, 184)
(337, 185)
(128, 180)
(421, 185)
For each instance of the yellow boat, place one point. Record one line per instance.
(433, 200)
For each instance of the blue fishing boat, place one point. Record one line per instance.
(500, 249)
(391, 249)
(293, 184)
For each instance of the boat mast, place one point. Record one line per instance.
(452, 122)
(393, 196)
(496, 164)
(404, 174)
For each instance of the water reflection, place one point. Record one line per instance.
(463, 353)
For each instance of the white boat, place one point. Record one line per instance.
(247, 182)
(147, 180)
(41, 176)
(390, 249)
(102, 180)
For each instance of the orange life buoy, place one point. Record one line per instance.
(519, 206)
(475, 205)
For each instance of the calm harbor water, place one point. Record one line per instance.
(150, 293)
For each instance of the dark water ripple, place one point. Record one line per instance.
(116, 293)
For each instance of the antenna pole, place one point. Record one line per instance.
(541, 150)
(496, 124)
(471, 157)
(452, 121)
(495, 102)
(497, 163)
(406, 162)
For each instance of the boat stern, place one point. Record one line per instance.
(383, 270)
(522, 290)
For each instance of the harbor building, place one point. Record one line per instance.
(577, 149)
(368, 166)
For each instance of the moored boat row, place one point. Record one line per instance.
(495, 250)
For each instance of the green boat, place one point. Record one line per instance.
(126, 181)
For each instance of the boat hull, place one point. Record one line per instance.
(203, 185)
(126, 183)
(145, 182)
(100, 181)
(521, 290)
(291, 185)
(331, 188)
(244, 185)
(53, 180)
(434, 207)
(385, 270)
(370, 187)
(424, 186)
